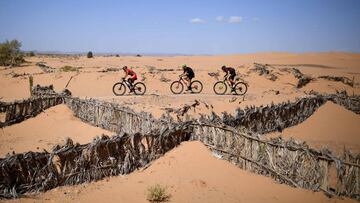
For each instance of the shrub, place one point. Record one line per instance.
(117, 55)
(157, 193)
(31, 53)
(69, 69)
(10, 54)
(90, 54)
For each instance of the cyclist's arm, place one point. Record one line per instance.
(184, 74)
(227, 73)
(126, 74)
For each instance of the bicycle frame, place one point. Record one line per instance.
(182, 80)
(126, 83)
(227, 82)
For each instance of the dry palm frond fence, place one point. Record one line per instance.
(276, 117)
(111, 116)
(286, 161)
(43, 97)
(148, 138)
(73, 163)
(351, 103)
(43, 91)
(18, 111)
(268, 71)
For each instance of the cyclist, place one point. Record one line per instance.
(188, 75)
(132, 78)
(230, 75)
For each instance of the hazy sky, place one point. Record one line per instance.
(186, 26)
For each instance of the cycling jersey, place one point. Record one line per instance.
(231, 71)
(189, 72)
(132, 74)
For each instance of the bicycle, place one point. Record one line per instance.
(220, 87)
(177, 87)
(138, 88)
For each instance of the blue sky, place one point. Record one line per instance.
(184, 27)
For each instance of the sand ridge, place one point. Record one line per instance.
(331, 126)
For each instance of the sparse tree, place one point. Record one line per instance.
(10, 54)
(89, 54)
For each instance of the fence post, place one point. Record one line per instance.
(325, 180)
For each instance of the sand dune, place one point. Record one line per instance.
(331, 126)
(51, 127)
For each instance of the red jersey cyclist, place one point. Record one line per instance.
(132, 78)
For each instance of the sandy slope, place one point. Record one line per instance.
(331, 126)
(189, 177)
(45, 130)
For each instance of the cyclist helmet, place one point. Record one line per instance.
(184, 66)
(125, 67)
(223, 67)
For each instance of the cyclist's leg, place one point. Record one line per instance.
(133, 78)
(227, 81)
(231, 80)
(189, 86)
(187, 81)
(131, 82)
(190, 79)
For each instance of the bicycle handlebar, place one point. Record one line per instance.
(181, 77)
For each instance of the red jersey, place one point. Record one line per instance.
(130, 72)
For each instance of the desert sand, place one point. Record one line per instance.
(191, 173)
(89, 82)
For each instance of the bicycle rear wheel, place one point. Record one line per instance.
(176, 87)
(220, 87)
(139, 88)
(119, 89)
(196, 86)
(240, 88)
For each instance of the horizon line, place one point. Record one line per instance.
(174, 54)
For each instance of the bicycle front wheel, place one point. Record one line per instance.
(176, 87)
(119, 89)
(196, 86)
(220, 87)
